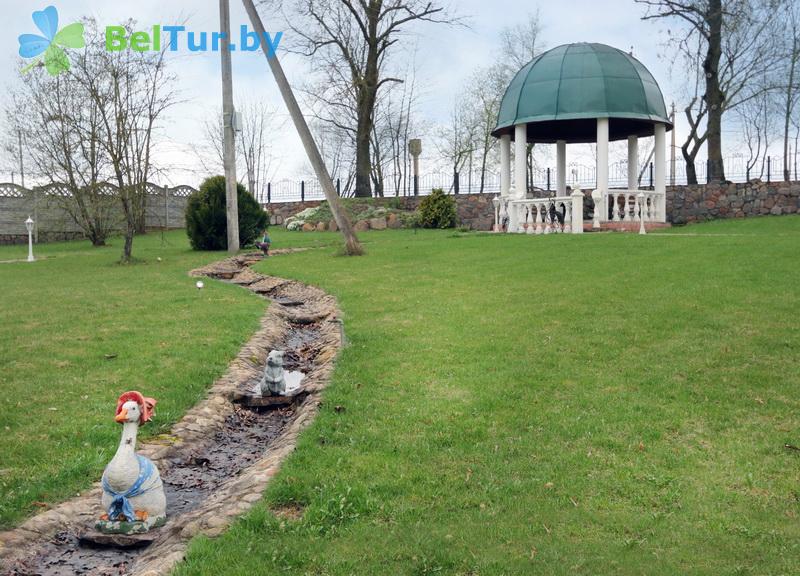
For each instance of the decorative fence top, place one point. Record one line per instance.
(8, 190)
(12, 191)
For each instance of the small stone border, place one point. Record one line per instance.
(201, 422)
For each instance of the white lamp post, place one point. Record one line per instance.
(496, 202)
(29, 226)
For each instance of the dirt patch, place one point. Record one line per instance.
(293, 513)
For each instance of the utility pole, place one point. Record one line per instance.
(229, 147)
(672, 149)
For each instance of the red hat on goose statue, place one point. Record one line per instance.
(146, 405)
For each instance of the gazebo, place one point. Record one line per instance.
(581, 93)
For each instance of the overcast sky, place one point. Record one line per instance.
(448, 55)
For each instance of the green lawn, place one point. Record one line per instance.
(76, 330)
(604, 404)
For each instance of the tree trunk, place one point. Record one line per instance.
(689, 158)
(715, 98)
(352, 245)
(363, 161)
(691, 173)
(130, 229)
(787, 170)
(141, 222)
(128, 249)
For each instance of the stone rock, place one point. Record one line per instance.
(393, 222)
(377, 223)
(321, 227)
(361, 226)
(133, 540)
(308, 227)
(332, 226)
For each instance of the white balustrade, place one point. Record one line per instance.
(532, 215)
(624, 206)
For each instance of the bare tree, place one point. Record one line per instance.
(63, 127)
(394, 123)
(336, 146)
(757, 124)
(130, 91)
(486, 89)
(726, 44)
(791, 85)
(458, 139)
(253, 144)
(351, 44)
(521, 43)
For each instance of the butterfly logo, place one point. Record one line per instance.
(48, 49)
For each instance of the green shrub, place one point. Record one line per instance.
(437, 210)
(410, 219)
(206, 223)
(394, 203)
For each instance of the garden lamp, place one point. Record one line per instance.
(29, 226)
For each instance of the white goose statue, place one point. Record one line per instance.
(133, 494)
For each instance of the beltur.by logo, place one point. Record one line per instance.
(174, 38)
(48, 49)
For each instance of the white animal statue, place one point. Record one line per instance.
(133, 494)
(273, 383)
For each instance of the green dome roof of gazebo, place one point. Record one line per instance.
(560, 94)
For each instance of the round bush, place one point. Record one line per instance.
(437, 210)
(206, 223)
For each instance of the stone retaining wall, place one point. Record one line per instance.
(684, 203)
(473, 210)
(718, 201)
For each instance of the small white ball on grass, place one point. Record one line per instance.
(199, 285)
(159, 258)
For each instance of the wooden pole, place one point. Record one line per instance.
(352, 245)
(229, 147)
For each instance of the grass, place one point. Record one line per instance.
(604, 404)
(76, 330)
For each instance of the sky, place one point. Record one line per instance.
(447, 56)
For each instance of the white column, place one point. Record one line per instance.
(602, 154)
(633, 162)
(660, 164)
(561, 167)
(505, 165)
(577, 211)
(521, 160)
